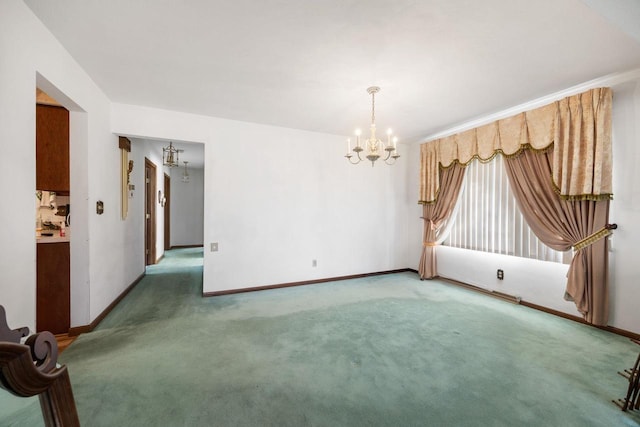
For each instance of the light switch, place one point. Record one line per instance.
(214, 247)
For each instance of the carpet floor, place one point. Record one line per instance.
(386, 350)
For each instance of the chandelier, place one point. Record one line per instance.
(170, 155)
(373, 146)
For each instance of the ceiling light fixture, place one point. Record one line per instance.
(170, 156)
(185, 175)
(373, 145)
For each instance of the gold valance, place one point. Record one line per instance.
(578, 126)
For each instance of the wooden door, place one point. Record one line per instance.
(167, 212)
(150, 212)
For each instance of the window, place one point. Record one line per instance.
(488, 218)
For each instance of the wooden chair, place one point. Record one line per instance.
(632, 400)
(30, 369)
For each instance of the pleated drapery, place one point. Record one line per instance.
(435, 215)
(563, 224)
(578, 126)
(573, 139)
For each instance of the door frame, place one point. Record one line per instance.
(150, 212)
(167, 212)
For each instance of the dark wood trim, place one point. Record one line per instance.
(124, 143)
(494, 294)
(115, 302)
(77, 330)
(623, 332)
(186, 246)
(305, 282)
(517, 300)
(555, 312)
(612, 329)
(167, 212)
(150, 198)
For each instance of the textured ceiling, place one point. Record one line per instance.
(306, 64)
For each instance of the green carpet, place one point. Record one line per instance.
(381, 351)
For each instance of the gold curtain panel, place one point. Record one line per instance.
(578, 126)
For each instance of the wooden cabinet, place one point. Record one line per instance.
(53, 259)
(52, 148)
(53, 299)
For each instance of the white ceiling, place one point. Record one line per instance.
(306, 64)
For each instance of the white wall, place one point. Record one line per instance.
(276, 198)
(414, 210)
(141, 150)
(102, 265)
(625, 208)
(541, 282)
(187, 208)
(134, 225)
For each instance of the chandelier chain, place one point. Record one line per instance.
(373, 108)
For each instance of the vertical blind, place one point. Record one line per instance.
(488, 218)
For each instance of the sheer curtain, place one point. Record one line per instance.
(488, 218)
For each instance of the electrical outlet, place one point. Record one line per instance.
(314, 263)
(500, 274)
(214, 247)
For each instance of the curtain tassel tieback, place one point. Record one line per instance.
(590, 240)
(432, 224)
(428, 244)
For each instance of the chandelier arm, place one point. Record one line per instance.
(394, 157)
(359, 158)
(349, 156)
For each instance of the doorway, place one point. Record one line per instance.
(150, 212)
(167, 212)
(53, 262)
